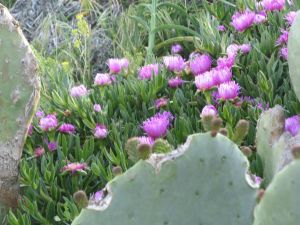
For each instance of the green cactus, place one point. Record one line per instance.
(294, 55)
(19, 94)
(161, 146)
(279, 204)
(273, 144)
(202, 182)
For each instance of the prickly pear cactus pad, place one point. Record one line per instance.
(202, 182)
(280, 202)
(19, 93)
(294, 54)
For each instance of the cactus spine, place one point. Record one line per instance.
(19, 94)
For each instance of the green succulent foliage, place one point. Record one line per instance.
(169, 189)
(279, 204)
(294, 54)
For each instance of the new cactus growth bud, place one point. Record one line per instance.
(19, 94)
(260, 195)
(161, 146)
(296, 152)
(81, 199)
(131, 149)
(144, 151)
(241, 131)
(223, 131)
(117, 170)
(215, 125)
(246, 150)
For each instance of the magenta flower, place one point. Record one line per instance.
(117, 65)
(257, 180)
(78, 91)
(174, 63)
(175, 82)
(146, 72)
(48, 123)
(200, 64)
(97, 108)
(232, 50)
(161, 102)
(38, 152)
(242, 21)
(273, 5)
(209, 110)
(221, 75)
(283, 38)
(204, 81)
(157, 126)
(98, 196)
(74, 167)
(292, 125)
(102, 79)
(39, 114)
(221, 28)
(284, 53)
(52, 146)
(290, 17)
(67, 128)
(245, 48)
(228, 90)
(176, 48)
(260, 17)
(146, 140)
(225, 62)
(100, 131)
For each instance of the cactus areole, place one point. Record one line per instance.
(19, 94)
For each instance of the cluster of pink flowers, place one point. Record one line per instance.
(146, 72)
(117, 65)
(78, 91)
(174, 63)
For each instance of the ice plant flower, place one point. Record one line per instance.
(260, 17)
(209, 110)
(241, 21)
(100, 131)
(228, 90)
(284, 53)
(39, 114)
(221, 75)
(283, 38)
(48, 123)
(221, 28)
(98, 196)
(78, 91)
(74, 167)
(175, 82)
(117, 65)
(225, 62)
(102, 79)
(245, 48)
(146, 72)
(39, 151)
(146, 140)
(52, 146)
(67, 128)
(290, 17)
(157, 126)
(200, 64)
(232, 50)
(292, 125)
(204, 81)
(97, 108)
(174, 63)
(176, 48)
(161, 102)
(273, 5)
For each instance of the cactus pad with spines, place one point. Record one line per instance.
(202, 182)
(19, 94)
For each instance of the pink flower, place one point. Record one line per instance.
(221, 28)
(204, 81)
(98, 196)
(38, 152)
(39, 114)
(100, 131)
(146, 140)
(290, 17)
(74, 167)
(209, 110)
(272, 5)
(117, 65)
(225, 62)
(242, 21)
(232, 50)
(67, 128)
(245, 48)
(176, 48)
(48, 123)
(228, 90)
(200, 64)
(97, 108)
(284, 53)
(146, 72)
(283, 38)
(161, 102)
(52, 146)
(78, 91)
(174, 63)
(221, 75)
(257, 179)
(102, 79)
(292, 125)
(157, 126)
(175, 82)
(260, 17)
